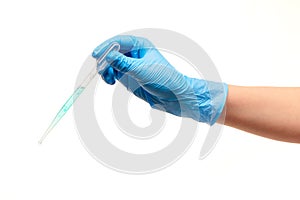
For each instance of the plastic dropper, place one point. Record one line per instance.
(102, 64)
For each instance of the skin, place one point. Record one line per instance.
(271, 112)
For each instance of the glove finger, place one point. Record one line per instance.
(118, 75)
(134, 53)
(121, 62)
(144, 95)
(127, 44)
(133, 86)
(108, 76)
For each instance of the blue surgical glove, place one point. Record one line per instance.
(141, 68)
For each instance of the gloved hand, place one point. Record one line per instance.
(141, 68)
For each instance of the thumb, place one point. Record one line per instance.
(120, 62)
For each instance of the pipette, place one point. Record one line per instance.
(101, 65)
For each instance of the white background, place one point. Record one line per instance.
(42, 47)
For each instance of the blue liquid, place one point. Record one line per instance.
(63, 111)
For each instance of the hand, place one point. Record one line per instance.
(141, 68)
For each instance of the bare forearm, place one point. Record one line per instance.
(266, 111)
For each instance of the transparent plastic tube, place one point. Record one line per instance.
(101, 65)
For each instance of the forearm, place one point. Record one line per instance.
(266, 111)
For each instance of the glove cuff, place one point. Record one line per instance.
(211, 98)
(218, 93)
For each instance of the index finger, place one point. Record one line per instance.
(127, 43)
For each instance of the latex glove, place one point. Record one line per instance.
(141, 68)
